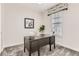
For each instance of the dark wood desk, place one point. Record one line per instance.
(34, 43)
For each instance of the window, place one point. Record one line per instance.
(57, 23)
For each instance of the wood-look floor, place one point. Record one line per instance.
(44, 51)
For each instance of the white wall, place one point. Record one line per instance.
(47, 22)
(70, 27)
(13, 30)
(0, 27)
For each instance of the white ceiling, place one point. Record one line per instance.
(40, 7)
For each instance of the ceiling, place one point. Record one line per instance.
(40, 6)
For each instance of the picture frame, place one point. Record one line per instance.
(28, 23)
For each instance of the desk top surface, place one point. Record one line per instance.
(39, 36)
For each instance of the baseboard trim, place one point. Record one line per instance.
(1, 50)
(12, 44)
(67, 47)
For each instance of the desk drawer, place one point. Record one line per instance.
(43, 42)
(34, 45)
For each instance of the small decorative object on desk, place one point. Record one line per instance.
(53, 33)
(41, 29)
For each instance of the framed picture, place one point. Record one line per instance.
(28, 23)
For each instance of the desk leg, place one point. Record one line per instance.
(24, 49)
(38, 52)
(29, 53)
(54, 44)
(30, 50)
(24, 45)
(50, 44)
(50, 47)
